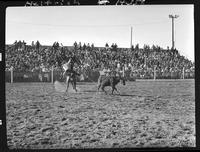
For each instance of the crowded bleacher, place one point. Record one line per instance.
(137, 62)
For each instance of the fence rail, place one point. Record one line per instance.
(53, 75)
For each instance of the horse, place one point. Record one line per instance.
(70, 74)
(71, 77)
(112, 81)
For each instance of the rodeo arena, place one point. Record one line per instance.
(83, 96)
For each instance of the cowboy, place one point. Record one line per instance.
(68, 67)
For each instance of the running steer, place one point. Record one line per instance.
(112, 81)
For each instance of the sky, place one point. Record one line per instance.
(103, 24)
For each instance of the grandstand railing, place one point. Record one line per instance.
(92, 76)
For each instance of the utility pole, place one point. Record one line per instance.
(131, 35)
(173, 17)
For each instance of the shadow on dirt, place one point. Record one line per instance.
(126, 95)
(108, 93)
(89, 91)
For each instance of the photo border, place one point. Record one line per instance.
(3, 134)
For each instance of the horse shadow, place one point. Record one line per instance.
(125, 95)
(122, 95)
(89, 91)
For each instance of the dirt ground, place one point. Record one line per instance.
(148, 113)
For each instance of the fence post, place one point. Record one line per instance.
(154, 70)
(11, 75)
(52, 74)
(183, 72)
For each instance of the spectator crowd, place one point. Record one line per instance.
(137, 62)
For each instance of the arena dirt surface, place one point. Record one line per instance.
(148, 113)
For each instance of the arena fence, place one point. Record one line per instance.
(90, 76)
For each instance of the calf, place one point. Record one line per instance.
(112, 81)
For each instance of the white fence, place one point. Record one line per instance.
(51, 76)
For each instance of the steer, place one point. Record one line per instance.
(112, 81)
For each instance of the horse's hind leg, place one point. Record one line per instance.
(116, 90)
(102, 88)
(99, 85)
(74, 85)
(113, 90)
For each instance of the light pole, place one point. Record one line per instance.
(173, 17)
(131, 36)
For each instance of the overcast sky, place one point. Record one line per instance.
(103, 24)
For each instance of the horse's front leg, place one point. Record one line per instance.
(113, 87)
(67, 82)
(74, 84)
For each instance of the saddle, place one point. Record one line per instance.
(71, 74)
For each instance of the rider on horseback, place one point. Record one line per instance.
(69, 73)
(68, 67)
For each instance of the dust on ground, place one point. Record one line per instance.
(157, 113)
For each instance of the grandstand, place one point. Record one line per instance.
(34, 62)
